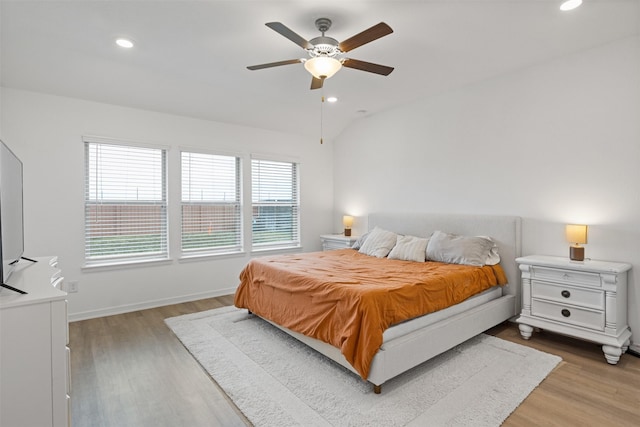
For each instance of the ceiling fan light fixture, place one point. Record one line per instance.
(322, 66)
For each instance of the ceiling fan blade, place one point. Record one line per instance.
(369, 35)
(316, 83)
(285, 31)
(274, 64)
(367, 66)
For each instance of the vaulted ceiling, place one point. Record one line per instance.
(190, 57)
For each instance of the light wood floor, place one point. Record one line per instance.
(130, 370)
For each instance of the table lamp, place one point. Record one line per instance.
(347, 221)
(576, 235)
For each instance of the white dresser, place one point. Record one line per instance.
(586, 300)
(337, 241)
(34, 353)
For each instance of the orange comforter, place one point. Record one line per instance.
(348, 299)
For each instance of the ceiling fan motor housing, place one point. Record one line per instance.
(324, 46)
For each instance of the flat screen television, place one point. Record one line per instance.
(11, 214)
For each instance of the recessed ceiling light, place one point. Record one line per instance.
(570, 4)
(332, 99)
(127, 44)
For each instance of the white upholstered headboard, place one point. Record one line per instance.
(505, 230)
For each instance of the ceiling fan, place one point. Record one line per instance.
(325, 53)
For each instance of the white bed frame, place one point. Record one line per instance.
(405, 352)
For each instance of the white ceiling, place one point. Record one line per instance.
(190, 57)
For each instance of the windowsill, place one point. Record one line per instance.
(283, 249)
(115, 265)
(210, 256)
(118, 265)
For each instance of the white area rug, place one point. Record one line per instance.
(277, 381)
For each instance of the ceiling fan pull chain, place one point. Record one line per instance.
(321, 114)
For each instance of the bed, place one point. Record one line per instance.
(408, 343)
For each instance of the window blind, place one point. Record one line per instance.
(275, 204)
(211, 207)
(125, 202)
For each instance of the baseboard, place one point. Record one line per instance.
(128, 308)
(634, 349)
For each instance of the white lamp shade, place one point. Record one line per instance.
(347, 221)
(576, 233)
(322, 66)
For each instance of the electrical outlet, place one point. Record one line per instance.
(72, 286)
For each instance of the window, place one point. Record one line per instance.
(125, 203)
(275, 204)
(211, 208)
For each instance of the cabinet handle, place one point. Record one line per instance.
(565, 312)
(565, 293)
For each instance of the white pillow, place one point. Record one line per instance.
(409, 248)
(358, 243)
(378, 243)
(494, 257)
(454, 249)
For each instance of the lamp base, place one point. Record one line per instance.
(576, 253)
(347, 232)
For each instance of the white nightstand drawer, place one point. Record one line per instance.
(592, 319)
(566, 276)
(583, 297)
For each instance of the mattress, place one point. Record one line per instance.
(404, 328)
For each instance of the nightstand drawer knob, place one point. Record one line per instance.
(565, 294)
(565, 312)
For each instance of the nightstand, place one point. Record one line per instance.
(337, 241)
(586, 300)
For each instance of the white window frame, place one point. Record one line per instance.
(261, 199)
(154, 199)
(231, 202)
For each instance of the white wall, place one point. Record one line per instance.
(554, 144)
(46, 133)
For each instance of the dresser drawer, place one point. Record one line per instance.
(68, 370)
(587, 318)
(565, 276)
(584, 297)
